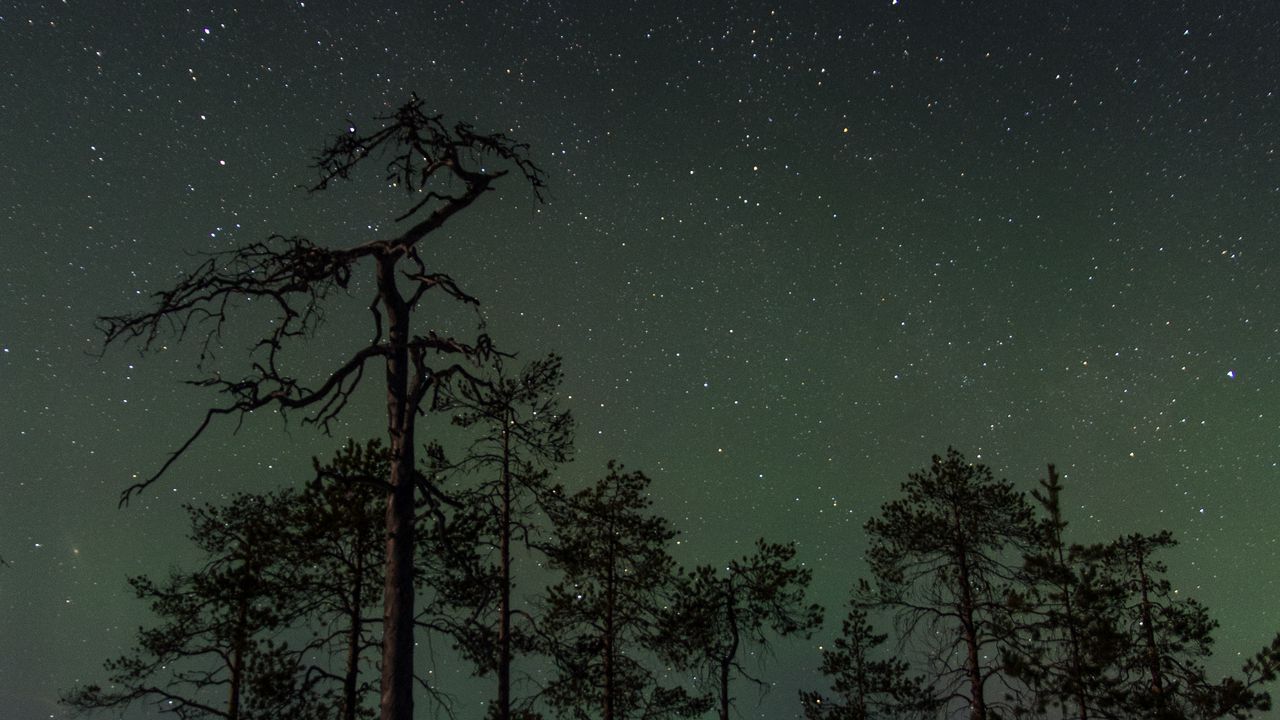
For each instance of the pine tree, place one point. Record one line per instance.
(867, 688)
(443, 169)
(523, 434)
(1167, 638)
(1065, 635)
(1099, 632)
(724, 613)
(214, 654)
(336, 546)
(943, 560)
(605, 617)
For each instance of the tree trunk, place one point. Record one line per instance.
(1068, 587)
(1148, 627)
(607, 699)
(726, 661)
(973, 670)
(504, 597)
(397, 638)
(352, 674)
(861, 690)
(239, 641)
(1073, 633)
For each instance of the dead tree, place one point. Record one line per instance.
(444, 170)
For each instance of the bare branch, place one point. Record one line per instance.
(252, 394)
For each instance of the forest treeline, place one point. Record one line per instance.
(996, 613)
(312, 602)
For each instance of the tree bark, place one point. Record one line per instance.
(397, 639)
(237, 655)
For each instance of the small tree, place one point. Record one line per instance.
(1166, 638)
(444, 170)
(607, 613)
(867, 688)
(943, 560)
(213, 654)
(1066, 636)
(523, 434)
(336, 544)
(722, 613)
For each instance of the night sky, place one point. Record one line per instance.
(790, 252)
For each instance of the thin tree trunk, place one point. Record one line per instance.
(862, 690)
(726, 661)
(352, 674)
(1073, 631)
(1073, 636)
(397, 639)
(237, 655)
(1148, 627)
(504, 598)
(973, 671)
(608, 631)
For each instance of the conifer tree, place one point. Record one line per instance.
(603, 623)
(213, 654)
(523, 433)
(1065, 636)
(943, 560)
(336, 545)
(725, 613)
(1166, 640)
(867, 688)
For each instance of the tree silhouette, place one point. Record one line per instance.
(335, 535)
(1066, 635)
(943, 560)
(867, 688)
(336, 543)
(607, 612)
(1109, 637)
(217, 629)
(523, 434)
(1241, 698)
(444, 170)
(1167, 637)
(721, 614)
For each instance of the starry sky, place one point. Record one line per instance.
(790, 251)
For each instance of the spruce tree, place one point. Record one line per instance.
(1064, 637)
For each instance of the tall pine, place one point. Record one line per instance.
(522, 433)
(604, 621)
(1065, 636)
(943, 559)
